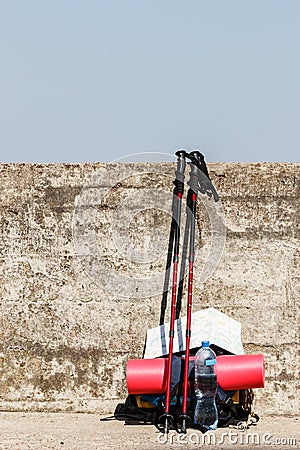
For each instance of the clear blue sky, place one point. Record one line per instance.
(95, 80)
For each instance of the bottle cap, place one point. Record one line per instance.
(205, 343)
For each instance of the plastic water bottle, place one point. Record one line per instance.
(206, 413)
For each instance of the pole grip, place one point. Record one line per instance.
(181, 164)
(199, 157)
(205, 184)
(194, 178)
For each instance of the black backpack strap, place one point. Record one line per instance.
(106, 419)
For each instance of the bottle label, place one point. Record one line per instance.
(210, 362)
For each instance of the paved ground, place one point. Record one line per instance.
(39, 431)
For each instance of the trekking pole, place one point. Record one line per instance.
(170, 254)
(167, 418)
(192, 204)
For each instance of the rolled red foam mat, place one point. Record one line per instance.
(240, 371)
(147, 376)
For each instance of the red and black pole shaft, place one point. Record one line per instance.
(167, 271)
(166, 418)
(192, 204)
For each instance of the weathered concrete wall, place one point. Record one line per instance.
(65, 340)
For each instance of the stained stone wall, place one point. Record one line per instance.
(83, 250)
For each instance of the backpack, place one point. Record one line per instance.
(138, 410)
(234, 407)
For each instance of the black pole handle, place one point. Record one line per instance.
(194, 179)
(198, 157)
(181, 164)
(205, 184)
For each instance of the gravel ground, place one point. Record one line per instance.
(38, 431)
